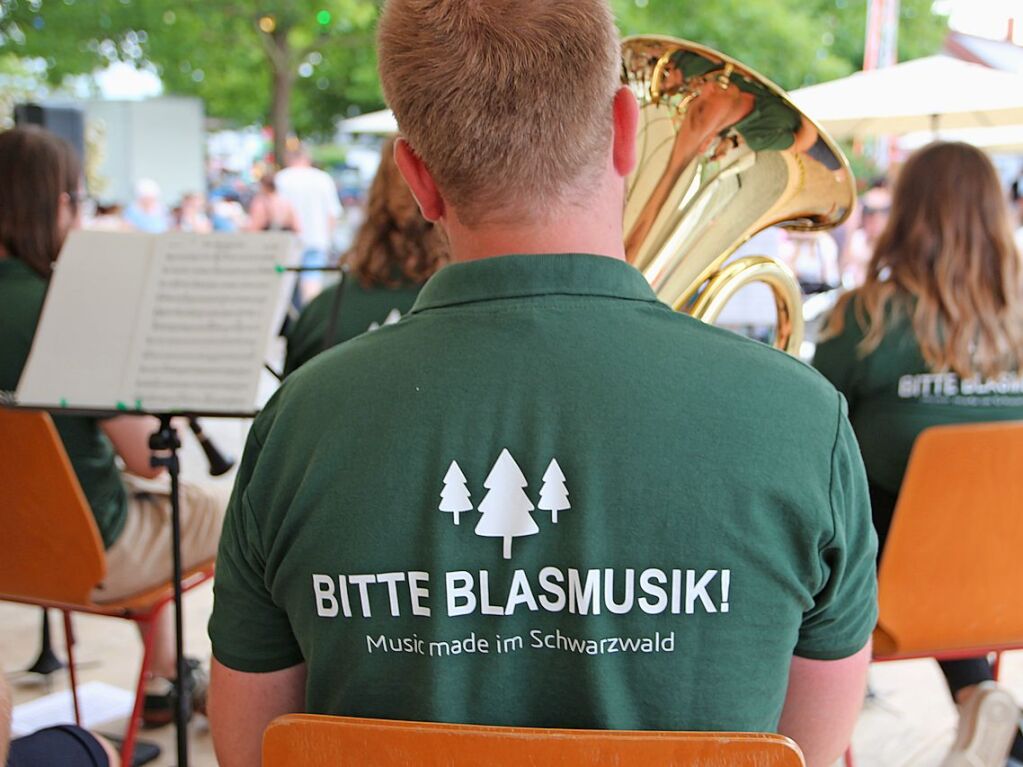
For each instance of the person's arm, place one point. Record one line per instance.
(837, 357)
(334, 209)
(259, 216)
(822, 703)
(827, 675)
(258, 670)
(291, 217)
(130, 437)
(242, 705)
(5, 719)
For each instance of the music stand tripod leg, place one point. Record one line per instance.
(164, 444)
(47, 662)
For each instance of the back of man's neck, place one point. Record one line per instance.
(524, 245)
(586, 233)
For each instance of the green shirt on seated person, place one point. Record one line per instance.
(543, 498)
(893, 394)
(360, 309)
(92, 455)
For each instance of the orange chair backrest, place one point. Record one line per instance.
(952, 573)
(51, 549)
(302, 740)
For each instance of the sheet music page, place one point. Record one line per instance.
(206, 318)
(88, 321)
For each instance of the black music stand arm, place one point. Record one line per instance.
(165, 443)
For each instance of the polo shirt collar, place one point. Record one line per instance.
(523, 276)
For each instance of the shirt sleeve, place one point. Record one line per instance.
(845, 608)
(837, 358)
(248, 630)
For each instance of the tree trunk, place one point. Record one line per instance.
(280, 105)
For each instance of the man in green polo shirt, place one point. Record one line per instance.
(542, 498)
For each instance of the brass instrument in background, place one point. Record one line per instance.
(722, 154)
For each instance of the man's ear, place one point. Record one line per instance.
(419, 180)
(626, 118)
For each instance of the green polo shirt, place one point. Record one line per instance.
(543, 498)
(92, 456)
(360, 309)
(893, 394)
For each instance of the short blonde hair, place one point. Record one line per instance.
(508, 102)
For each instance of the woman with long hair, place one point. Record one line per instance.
(943, 295)
(395, 252)
(40, 178)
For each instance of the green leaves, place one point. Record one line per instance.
(792, 42)
(225, 51)
(214, 49)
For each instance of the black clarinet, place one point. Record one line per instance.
(219, 463)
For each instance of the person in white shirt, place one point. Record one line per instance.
(313, 195)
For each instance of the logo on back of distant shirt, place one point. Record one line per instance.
(1005, 390)
(393, 316)
(506, 508)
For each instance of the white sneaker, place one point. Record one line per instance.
(987, 727)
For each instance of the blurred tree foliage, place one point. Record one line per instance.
(303, 64)
(19, 82)
(793, 42)
(289, 63)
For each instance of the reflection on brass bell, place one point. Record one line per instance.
(725, 76)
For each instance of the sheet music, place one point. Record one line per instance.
(88, 321)
(206, 320)
(160, 323)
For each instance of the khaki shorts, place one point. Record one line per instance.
(141, 558)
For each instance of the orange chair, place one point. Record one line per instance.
(949, 580)
(302, 740)
(53, 555)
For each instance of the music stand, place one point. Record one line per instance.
(190, 317)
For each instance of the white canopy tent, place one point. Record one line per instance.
(380, 123)
(935, 93)
(1006, 139)
(929, 95)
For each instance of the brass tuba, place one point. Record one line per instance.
(723, 154)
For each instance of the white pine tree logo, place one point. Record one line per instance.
(506, 508)
(393, 316)
(454, 498)
(554, 494)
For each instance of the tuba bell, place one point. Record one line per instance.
(722, 154)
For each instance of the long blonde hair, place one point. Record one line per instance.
(946, 260)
